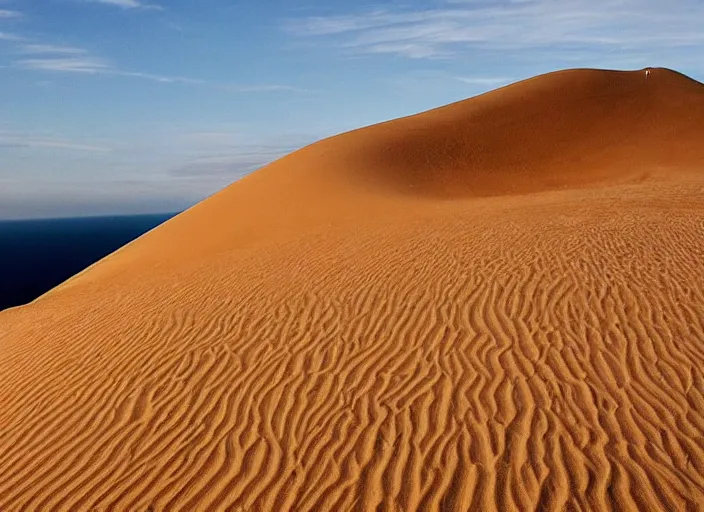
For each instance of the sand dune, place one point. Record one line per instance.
(498, 304)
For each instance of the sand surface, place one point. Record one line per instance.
(495, 305)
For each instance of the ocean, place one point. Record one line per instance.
(37, 255)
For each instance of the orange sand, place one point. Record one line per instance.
(498, 304)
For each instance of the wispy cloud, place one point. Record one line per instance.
(510, 25)
(86, 64)
(483, 80)
(157, 78)
(33, 142)
(52, 49)
(128, 4)
(71, 59)
(260, 88)
(92, 65)
(60, 58)
(233, 166)
(5, 13)
(5, 36)
(226, 155)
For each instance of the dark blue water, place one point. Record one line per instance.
(37, 255)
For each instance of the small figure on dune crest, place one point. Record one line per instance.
(647, 73)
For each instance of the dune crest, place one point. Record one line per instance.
(493, 305)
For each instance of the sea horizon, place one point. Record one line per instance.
(38, 254)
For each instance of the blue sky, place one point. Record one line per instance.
(128, 106)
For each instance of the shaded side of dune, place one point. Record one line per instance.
(562, 130)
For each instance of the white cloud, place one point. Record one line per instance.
(52, 49)
(61, 58)
(5, 13)
(89, 65)
(511, 25)
(128, 4)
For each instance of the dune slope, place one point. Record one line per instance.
(498, 304)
